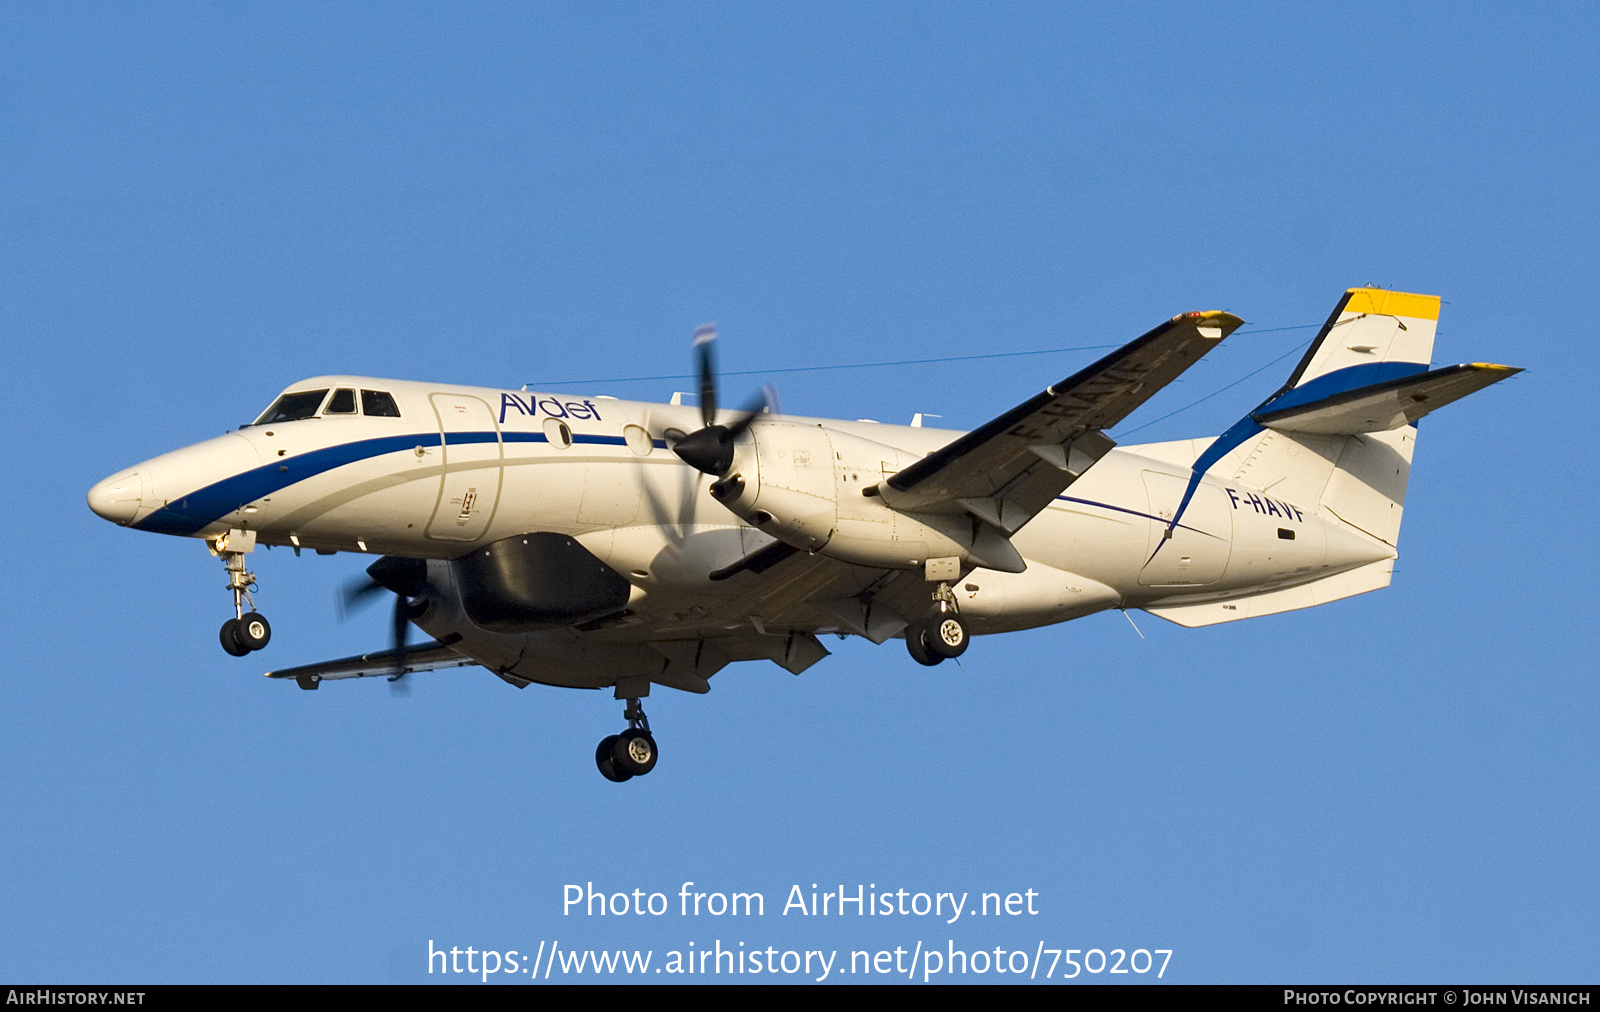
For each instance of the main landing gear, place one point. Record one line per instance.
(930, 640)
(629, 754)
(247, 630)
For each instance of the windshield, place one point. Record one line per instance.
(292, 407)
(343, 402)
(379, 403)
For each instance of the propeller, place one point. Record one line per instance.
(710, 448)
(405, 578)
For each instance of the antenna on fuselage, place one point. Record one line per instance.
(1131, 622)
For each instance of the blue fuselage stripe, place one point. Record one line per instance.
(204, 506)
(1124, 509)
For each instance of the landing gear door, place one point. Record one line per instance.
(469, 488)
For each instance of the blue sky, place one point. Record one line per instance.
(201, 204)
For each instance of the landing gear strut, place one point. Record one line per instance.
(247, 630)
(630, 754)
(930, 640)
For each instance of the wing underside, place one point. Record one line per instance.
(423, 657)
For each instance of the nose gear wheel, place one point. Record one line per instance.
(229, 635)
(249, 630)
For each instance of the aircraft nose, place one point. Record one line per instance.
(117, 497)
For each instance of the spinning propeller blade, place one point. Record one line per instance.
(401, 622)
(357, 594)
(705, 340)
(405, 578)
(710, 448)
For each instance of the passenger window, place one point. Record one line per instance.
(638, 440)
(343, 402)
(378, 403)
(557, 433)
(292, 407)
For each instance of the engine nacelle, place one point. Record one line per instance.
(804, 485)
(782, 481)
(533, 581)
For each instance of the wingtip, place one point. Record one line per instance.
(1219, 320)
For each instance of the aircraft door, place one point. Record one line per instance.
(1198, 550)
(469, 488)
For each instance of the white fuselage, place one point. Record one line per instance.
(466, 466)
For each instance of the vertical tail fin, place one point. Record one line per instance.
(1367, 489)
(1338, 437)
(1373, 335)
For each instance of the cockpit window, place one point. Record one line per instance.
(292, 407)
(343, 402)
(379, 403)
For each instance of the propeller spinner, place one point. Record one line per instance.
(710, 448)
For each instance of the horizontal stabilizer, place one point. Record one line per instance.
(1382, 406)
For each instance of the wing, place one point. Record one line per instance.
(1007, 470)
(424, 657)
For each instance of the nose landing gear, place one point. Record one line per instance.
(632, 753)
(246, 631)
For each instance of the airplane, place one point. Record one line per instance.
(591, 542)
